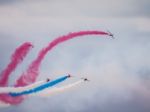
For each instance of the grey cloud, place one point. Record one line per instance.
(5, 2)
(118, 69)
(92, 8)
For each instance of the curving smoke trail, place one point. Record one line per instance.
(33, 70)
(40, 87)
(21, 89)
(16, 58)
(49, 91)
(44, 92)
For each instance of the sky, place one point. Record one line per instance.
(119, 69)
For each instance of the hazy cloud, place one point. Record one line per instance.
(87, 8)
(118, 68)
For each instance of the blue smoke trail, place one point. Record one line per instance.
(39, 88)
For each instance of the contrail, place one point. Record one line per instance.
(40, 87)
(49, 91)
(16, 58)
(21, 89)
(46, 92)
(32, 72)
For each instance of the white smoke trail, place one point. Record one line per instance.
(44, 93)
(20, 89)
(50, 91)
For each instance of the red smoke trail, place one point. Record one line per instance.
(32, 72)
(16, 58)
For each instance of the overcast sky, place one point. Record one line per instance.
(119, 69)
